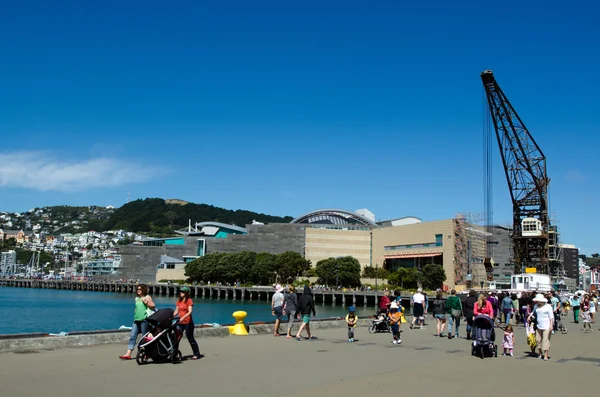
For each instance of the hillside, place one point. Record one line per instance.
(155, 215)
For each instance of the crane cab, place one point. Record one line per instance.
(531, 227)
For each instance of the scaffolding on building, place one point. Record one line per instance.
(470, 239)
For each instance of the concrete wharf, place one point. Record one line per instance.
(323, 297)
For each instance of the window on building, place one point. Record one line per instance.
(439, 241)
(170, 266)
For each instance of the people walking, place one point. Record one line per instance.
(585, 311)
(543, 316)
(508, 342)
(395, 317)
(506, 308)
(351, 320)
(454, 312)
(184, 308)
(439, 314)
(576, 305)
(418, 304)
(143, 306)
(483, 307)
(468, 308)
(290, 308)
(306, 307)
(277, 308)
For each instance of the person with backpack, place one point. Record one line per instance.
(454, 312)
(289, 307)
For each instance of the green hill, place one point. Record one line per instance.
(155, 215)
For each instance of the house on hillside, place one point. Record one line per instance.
(18, 235)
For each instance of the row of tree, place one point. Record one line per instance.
(247, 267)
(265, 269)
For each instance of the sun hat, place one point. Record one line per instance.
(184, 289)
(278, 288)
(394, 305)
(540, 298)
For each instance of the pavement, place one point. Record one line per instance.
(262, 365)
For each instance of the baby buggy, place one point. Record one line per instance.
(161, 343)
(483, 337)
(380, 323)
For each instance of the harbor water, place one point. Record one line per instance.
(29, 310)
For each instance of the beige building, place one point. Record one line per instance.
(441, 242)
(323, 243)
(415, 246)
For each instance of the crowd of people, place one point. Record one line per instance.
(539, 313)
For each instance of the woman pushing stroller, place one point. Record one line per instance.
(184, 309)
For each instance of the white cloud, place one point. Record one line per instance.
(42, 171)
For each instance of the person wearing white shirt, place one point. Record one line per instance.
(544, 317)
(418, 301)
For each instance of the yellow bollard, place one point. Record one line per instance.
(239, 328)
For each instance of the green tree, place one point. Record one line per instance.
(596, 255)
(237, 266)
(374, 272)
(404, 277)
(263, 269)
(207, 268)
(344, 270)
(433, 276)
(290, 265)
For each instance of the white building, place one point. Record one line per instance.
(102, 266)
(8, 262)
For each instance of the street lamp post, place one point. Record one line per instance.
(376, 275)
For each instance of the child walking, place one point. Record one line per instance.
(395, 317)
(351, 319)
(509, 341)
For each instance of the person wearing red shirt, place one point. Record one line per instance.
(184, 309)
(384, 302)
(483, 307)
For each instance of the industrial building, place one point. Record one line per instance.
(403, 242)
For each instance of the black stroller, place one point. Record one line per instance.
(484, 337)
(381, 323)
(161, 343)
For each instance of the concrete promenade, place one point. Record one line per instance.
(263, 365)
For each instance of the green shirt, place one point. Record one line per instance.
(139, 313)
(453, 302)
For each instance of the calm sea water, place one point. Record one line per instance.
(24, 310)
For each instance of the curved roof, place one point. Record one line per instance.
(334, 217)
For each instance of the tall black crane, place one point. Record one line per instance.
(535, 240)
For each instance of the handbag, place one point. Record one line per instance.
(150, 312)
(456, 313)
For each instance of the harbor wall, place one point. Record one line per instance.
(30, 343)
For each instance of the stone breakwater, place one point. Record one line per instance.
(23, 343)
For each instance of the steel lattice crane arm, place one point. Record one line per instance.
(525, 170)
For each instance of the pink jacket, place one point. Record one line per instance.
(487, 310)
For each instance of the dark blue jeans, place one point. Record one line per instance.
(189, 333)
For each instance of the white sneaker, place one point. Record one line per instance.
(394, 342)
(399, 341)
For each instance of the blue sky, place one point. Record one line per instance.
(287, 107)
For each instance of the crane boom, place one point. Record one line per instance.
(525, 171)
